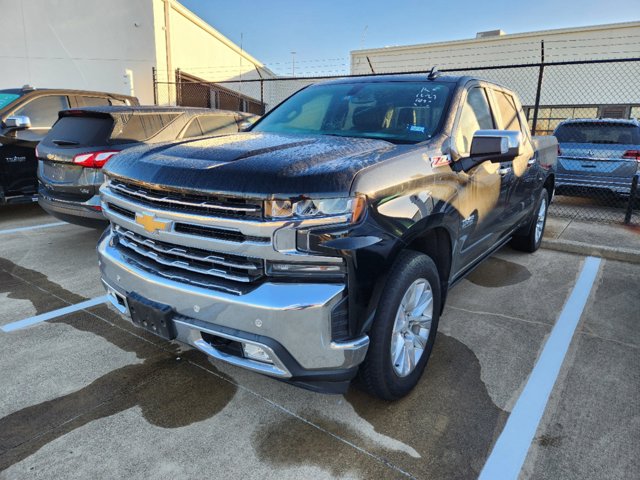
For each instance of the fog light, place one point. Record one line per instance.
(255, 352)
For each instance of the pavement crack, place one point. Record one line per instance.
(502, 315)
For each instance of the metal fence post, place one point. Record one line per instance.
(262, 106)
(154, 75)
(632, 198)
(178, 84)
(534, 126)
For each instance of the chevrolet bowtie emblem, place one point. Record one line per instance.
(151, 223)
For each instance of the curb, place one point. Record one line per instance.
(610, 253)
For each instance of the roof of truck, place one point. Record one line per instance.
(27, 90)
(401, 77)
(128, 109)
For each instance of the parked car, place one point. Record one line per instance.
(26, 115)
(324, 241)
(72, 155)
(597, 155)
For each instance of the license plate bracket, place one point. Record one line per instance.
(152, 316)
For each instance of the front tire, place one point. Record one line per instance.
(530, 242)
(404, 328)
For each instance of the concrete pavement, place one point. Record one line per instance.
(90, 395)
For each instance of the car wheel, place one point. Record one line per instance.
(404, 328)
(531, 241)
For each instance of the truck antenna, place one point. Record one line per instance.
(434, 73)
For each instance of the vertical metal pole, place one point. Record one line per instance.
(262, 106)
(178, 84)
(539, 89)
(632, 198)
(154, 74)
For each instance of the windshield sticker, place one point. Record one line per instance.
(425, 97)
(416, 128)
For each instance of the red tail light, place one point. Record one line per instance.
(93, 159)
(634, 154)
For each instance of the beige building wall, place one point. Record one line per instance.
(81, 44)
(197, 49)
(113, 46)
(595, 42)
(568, 91)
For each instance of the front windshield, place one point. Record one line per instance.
(398, 112)
(7, 98)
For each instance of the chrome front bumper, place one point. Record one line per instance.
(292, 321)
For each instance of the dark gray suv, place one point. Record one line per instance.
(72, 155)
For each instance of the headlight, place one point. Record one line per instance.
(313, 208)
(305, 269)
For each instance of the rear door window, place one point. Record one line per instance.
(83, 101)
(218, 124)
(475, 115)
(43, 111)
(193, 130)
(138, 127)
(508, 112)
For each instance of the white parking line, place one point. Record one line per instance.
(33, 227)
(510, 450)
(53, 314)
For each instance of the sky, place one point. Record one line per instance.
(322, 33)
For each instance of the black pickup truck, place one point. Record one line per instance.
(321, 244)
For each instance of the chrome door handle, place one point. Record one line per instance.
(504, 170)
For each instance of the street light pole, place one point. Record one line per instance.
(293, 64)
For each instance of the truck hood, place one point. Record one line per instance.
(253, 164)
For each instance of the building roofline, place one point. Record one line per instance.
(509, 36)
(195, 19)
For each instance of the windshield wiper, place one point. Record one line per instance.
(371, 137)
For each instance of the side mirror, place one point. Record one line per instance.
(244, 125)
(495, 145)
(19, 122)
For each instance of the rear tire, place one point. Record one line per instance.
(530, 242)
(400, 344)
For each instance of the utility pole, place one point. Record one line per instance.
(293, 64)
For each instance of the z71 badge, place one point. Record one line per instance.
(440, 161)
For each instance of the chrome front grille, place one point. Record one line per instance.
(198, 246)
(191, 203)
(178, 260)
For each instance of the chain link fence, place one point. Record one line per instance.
(591, 106)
